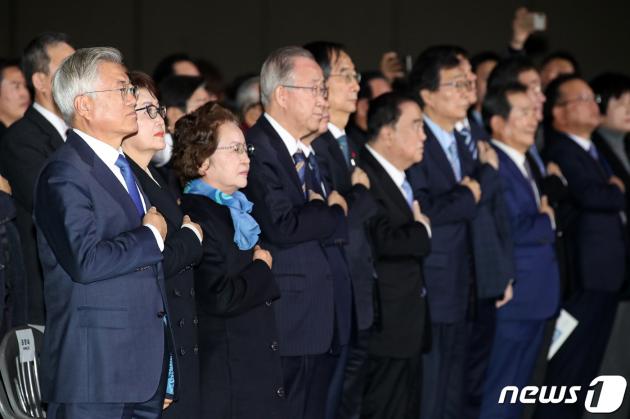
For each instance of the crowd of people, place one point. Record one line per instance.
(313, 241)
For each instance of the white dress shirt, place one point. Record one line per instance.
(397, 176)
(109, 155)
(336, 132)
(292, 144)
(54, 120)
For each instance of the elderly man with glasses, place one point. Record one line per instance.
(303, 224)
(100, 244)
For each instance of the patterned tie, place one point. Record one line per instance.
(470, 144)
(316, 178)
(453, 158)
(130, 181)
(533, 151)
(300, 167)
(532, 182)
(406, 187)
(345, 149)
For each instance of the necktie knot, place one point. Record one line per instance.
(406, 187)
(130, 182)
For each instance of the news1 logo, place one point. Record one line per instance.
(604, 395)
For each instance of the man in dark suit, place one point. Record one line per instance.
(26, 146)
(297, 224)
(598, 243)
(337, 154)
(520, 322)
(100, 245)
(400, 235)
(449, 184)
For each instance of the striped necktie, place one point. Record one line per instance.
(470, 144)
(300, 167)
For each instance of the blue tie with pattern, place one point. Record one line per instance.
(300, 167)
(453, 158)
(470, 144)
(406, 187)
(130, 181)
(345, 149)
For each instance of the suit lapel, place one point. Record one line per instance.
(286, 160)
(515, 172)
(598, 166)
(437, 154)
(54, 139)
(392, 190)
(105, 177)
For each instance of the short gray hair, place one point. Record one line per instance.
(278, 69)
(78, 74)
(248, 93)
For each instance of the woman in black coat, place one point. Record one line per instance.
(241, 374)
(182, 250)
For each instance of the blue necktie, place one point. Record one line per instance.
(406, 187)
(602, 162)
(300, 167)
(453, 158)
(470, 144)
(345, 149)
(316, 177)
(533, 151)
(130, 181)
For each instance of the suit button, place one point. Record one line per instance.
(177, 292)
(423, 292)
(274, 346)
(268, 303)
(161, 314)
(196, 349)
(195, 321)
(182, 351)
(280, 392)
(192, 292)
(181, 322)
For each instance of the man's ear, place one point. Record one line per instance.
(280, 96)
(39, 81)
(83, 105)
(497, 124)
(427, 97)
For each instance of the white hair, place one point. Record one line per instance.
(278, 69)
(78, 74)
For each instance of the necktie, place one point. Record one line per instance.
(470, 144)
(130, 181)
(345, 149)
(532, 183)
(533, 151)
(406, 187)
(316, 178)
(602, 162)
(300, 167)
(454, 160)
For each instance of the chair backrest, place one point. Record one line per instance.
(19, 353)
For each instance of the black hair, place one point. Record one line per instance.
(365, 90)
(7, 63)
(552, 93)
(385, 110)
(482, 57)
(496, 102)
(165, 69)
(562, 55)
(507, 71)
(176, 90)
(35, 58)
(426, 70)
(609, 86)
(325, 54)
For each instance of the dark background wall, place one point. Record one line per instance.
(237, 35)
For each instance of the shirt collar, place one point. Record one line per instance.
(104, 151)
(335, 131)
(464, 123)
(292, 144)
(582, 142)
(444, 138)
(516, 156)
(54, 120)
(397, 176)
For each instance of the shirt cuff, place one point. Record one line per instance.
(158, 237)
(427, 226)
(190, 226)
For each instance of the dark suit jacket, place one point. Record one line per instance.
(537, 280)
(295, 231)
(599, 246)
(23, 150)
(400, 245)
(450, 207)
(182, 251)
(361, 207)
(238, 337)
(104, 286)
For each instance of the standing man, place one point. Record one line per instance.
(100, 245)
(337, 155)
(520, 322)
(449, 185)
(400, 236)
(26, 146)
(297, 223)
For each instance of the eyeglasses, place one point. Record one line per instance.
(582, 98)
(239, 148)
(315, 90)
(348, 77)
(153, 111)
(459, 84)
(124, 91)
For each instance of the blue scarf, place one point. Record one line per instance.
(246, 229)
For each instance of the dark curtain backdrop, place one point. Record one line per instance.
(237, 34)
